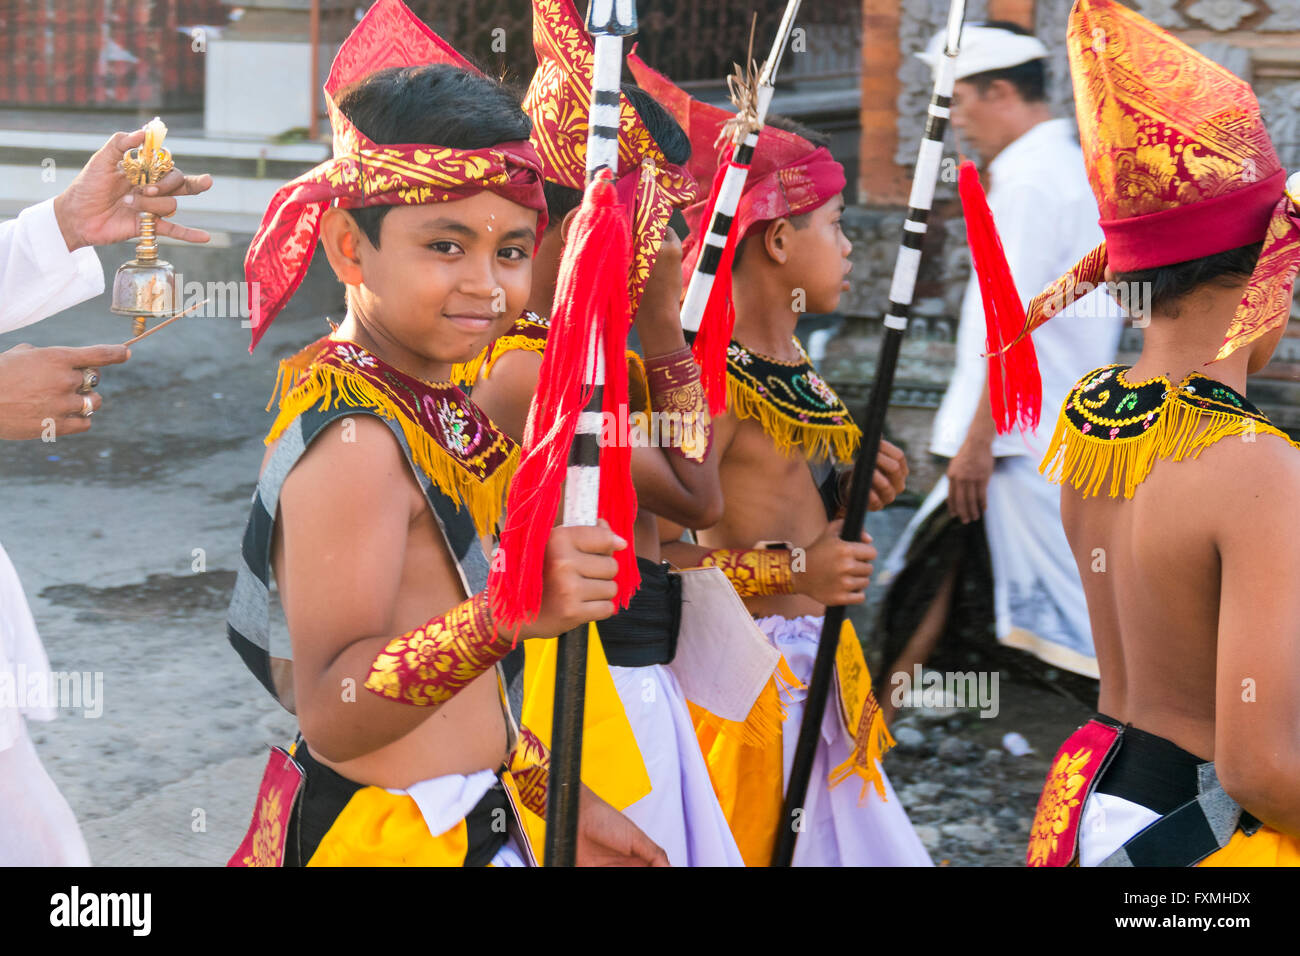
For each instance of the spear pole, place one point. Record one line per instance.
(733, 182)
(608, 22)
(900, 305)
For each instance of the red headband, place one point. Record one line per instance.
(362, 173)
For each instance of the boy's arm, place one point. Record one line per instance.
(831, 571)
(1257, 708)
(683, 487)
(345, 516)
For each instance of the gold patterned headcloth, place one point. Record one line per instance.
(1180, 163)
(558, 102)
(362, 173)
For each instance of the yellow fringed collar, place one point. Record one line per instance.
(793, 404)
(528, 333)
(450, 438)
(1110, 426)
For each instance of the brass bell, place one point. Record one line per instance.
(146, 285)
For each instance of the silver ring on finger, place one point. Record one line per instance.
(87, 406)
(89, 379)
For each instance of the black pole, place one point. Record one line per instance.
(566, 747)
(819, 685)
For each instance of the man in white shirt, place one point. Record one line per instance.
(47, 265)
(995, 498)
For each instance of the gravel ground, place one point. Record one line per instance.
(970, 799)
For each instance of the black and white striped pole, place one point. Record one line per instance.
(733, 181)
(901, 289)
(608, 21)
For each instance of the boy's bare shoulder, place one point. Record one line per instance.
(354, 460)
(1251, 474)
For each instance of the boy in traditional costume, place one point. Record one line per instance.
(382, 477)
(1178, 495)
(776, 540)
(641, 754)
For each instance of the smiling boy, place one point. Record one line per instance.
(382, 477)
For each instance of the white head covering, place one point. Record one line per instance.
(985, 48)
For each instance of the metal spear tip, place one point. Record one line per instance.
(611, 18)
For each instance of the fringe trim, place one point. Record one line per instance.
(467, 373)
(1084, 460)
(872, 741)
(817, 441)
(763, 727)
(326, 387)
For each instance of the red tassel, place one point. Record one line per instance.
(719, 319)
(591, 304)
(1015, 386)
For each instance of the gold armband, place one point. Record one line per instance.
(433, 663)
(530, 766)
(754, 572)
(677, 401)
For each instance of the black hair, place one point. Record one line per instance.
(438, 104)
(1029, 78)
(814, 136)
(1170, 284)
(663, 129)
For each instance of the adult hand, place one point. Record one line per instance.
(968, 480)
(40, 386)
(608, 838)
(101, 206)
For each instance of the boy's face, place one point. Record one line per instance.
(818, 259)
(447, 278)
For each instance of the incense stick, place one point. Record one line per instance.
(162, 325)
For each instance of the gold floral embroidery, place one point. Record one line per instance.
(677, 396)
(753, 572)
(530, 766)
(268, 836)
(1057, 804)
(431, 664)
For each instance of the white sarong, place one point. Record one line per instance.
(681, 812)
(838, 829)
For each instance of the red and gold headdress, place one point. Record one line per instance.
(1180, 163)
(558, 102)
(787, 176)
(363, 173)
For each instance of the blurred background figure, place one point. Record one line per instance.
(991, 527)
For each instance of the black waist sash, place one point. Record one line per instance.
(1152, 771)
(645, 632)
(1198, 817)
(325, 792)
